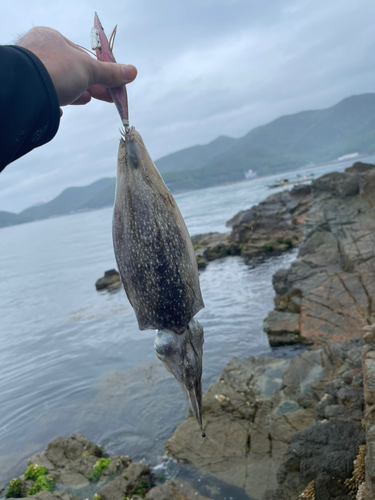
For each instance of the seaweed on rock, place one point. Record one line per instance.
(34, 471)
(42, 483)
(15, 489)
(101, 464)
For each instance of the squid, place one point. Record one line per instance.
(154, 252)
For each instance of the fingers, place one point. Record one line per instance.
(83, 99)
(101, 93)
(111, 75)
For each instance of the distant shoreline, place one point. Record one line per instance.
(177, 192)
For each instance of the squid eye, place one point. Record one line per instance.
(164, 343)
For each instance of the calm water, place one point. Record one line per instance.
(73, 359)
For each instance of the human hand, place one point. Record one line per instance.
(76, 76)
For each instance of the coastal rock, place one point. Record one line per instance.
(273, 226)
(57, 495)
(360, 167)
(170, 490)
(331, 284)
(81, 469)
(270, 228)
(282, 328)
(368, 363)
(249, 420)
(325, 451)
(273, 425)
(110, 281)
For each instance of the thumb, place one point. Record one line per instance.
(112, 74)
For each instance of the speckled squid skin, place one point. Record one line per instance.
(153, 249)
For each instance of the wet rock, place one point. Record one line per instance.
(273, 226)
(248, 425)
(110, 281)
(212, 246)
(56, 495)
(368, 363)
(270, 228)
(273, 426)
(340, 184)
(323, 452)
(352, 397)
(70, 461)
(81, 468)
(220, 249)
(342, 413)
(359, 167)
(127, 483)
(172, 490)
(280, 324)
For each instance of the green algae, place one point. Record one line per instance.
(15, 489)
(143, 486)
(101, 464)
(34, 471)
(42, 483)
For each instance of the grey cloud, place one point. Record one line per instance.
(206, 68)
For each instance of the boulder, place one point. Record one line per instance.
(282, 328)
(110, 281)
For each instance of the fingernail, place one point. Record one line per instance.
(127, 73)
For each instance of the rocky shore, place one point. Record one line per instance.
(278, 429)
(273, 426)
(273, 226)
(329, 290)
(73, 468)
(304, 428)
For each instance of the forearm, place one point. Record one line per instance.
(29, 107)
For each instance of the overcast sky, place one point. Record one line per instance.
(205, 68)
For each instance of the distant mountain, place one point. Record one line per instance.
(10, 219)
(195, 156)
(288, 142)
(103, 198)
(70, 200)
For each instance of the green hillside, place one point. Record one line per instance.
(10, 219)
(195, 156)
(289, 142)
(70, 200)
(103, 198)
(286, 143)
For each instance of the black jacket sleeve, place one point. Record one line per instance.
(29, 108)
